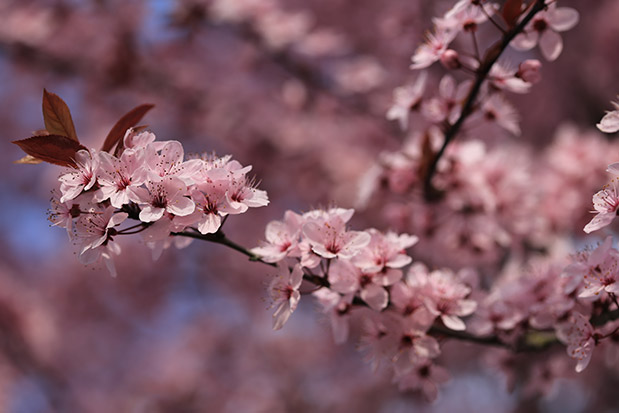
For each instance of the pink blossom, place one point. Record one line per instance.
(94, 232)
(446, 298)
(243, 194)
(605, 203)
(384, 253)
(329, 238)
(337, 307)
(166, 159)
(504, 77)
(462, 17)
(600, 272)
(345, 278)
(165, 195)
(119, 178)
(431, 51)
(282, 238)
(82, 178)
(448, 104)
(578, 334)
(409, 299)
(497, 110)
(406, 99)
(544, 28)
(425, 376)
(610, 121)
(284, 292)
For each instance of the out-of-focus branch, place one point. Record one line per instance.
(492, 55)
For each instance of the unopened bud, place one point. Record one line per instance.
(450, 59)
(529, 71)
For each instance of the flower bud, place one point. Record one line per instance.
(529, 71)
(450, 59)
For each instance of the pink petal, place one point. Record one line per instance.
(375, 296)
(551, 45)
(610, 123)
(453, 322)
(599, 221)
(562, 19)
(181, 206)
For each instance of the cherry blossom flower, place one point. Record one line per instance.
(165, 195)
(446, 297)
(605, 203)
(448, 104)
(502, 76)
(94, 232)
(544, 28)
(337, 307)
(431, 51)
(346, 278)
(166, 159)
(282, 238)
(610, 121)
(284, 292)
(385, 253)
(495, 109)
(424, 376)
(406, 99)
(330, 239)
(600, 271)
(82, 178)
(578, 334)
(119, 178)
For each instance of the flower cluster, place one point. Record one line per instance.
(364, 270)
(151, 182)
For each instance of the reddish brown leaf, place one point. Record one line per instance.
(511, 11)
(57, 116)
(56, 149)
(127, 121)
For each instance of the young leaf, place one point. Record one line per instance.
(57, 116)
(56, 149)
(511, 11)
(29, 159)
(127, 121)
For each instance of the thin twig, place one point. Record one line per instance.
(492, 55)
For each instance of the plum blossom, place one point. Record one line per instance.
(544, 29)
(94, 232)
(167, 195)
(424, 376)
(337, 307)
(284, 292)
(328, 237)
(600, 271)
(385, 253)
(578, 334)
(119, 178)
(406, 99)
(446, 297)
(435, 46)
(610, 121)
(448, 104)
(282, 238)
(497, 110)
(79, 179)
(345, 278)
(605, 203)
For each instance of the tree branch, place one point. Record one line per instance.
(492, 55)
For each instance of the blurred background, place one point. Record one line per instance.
(298, 89)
